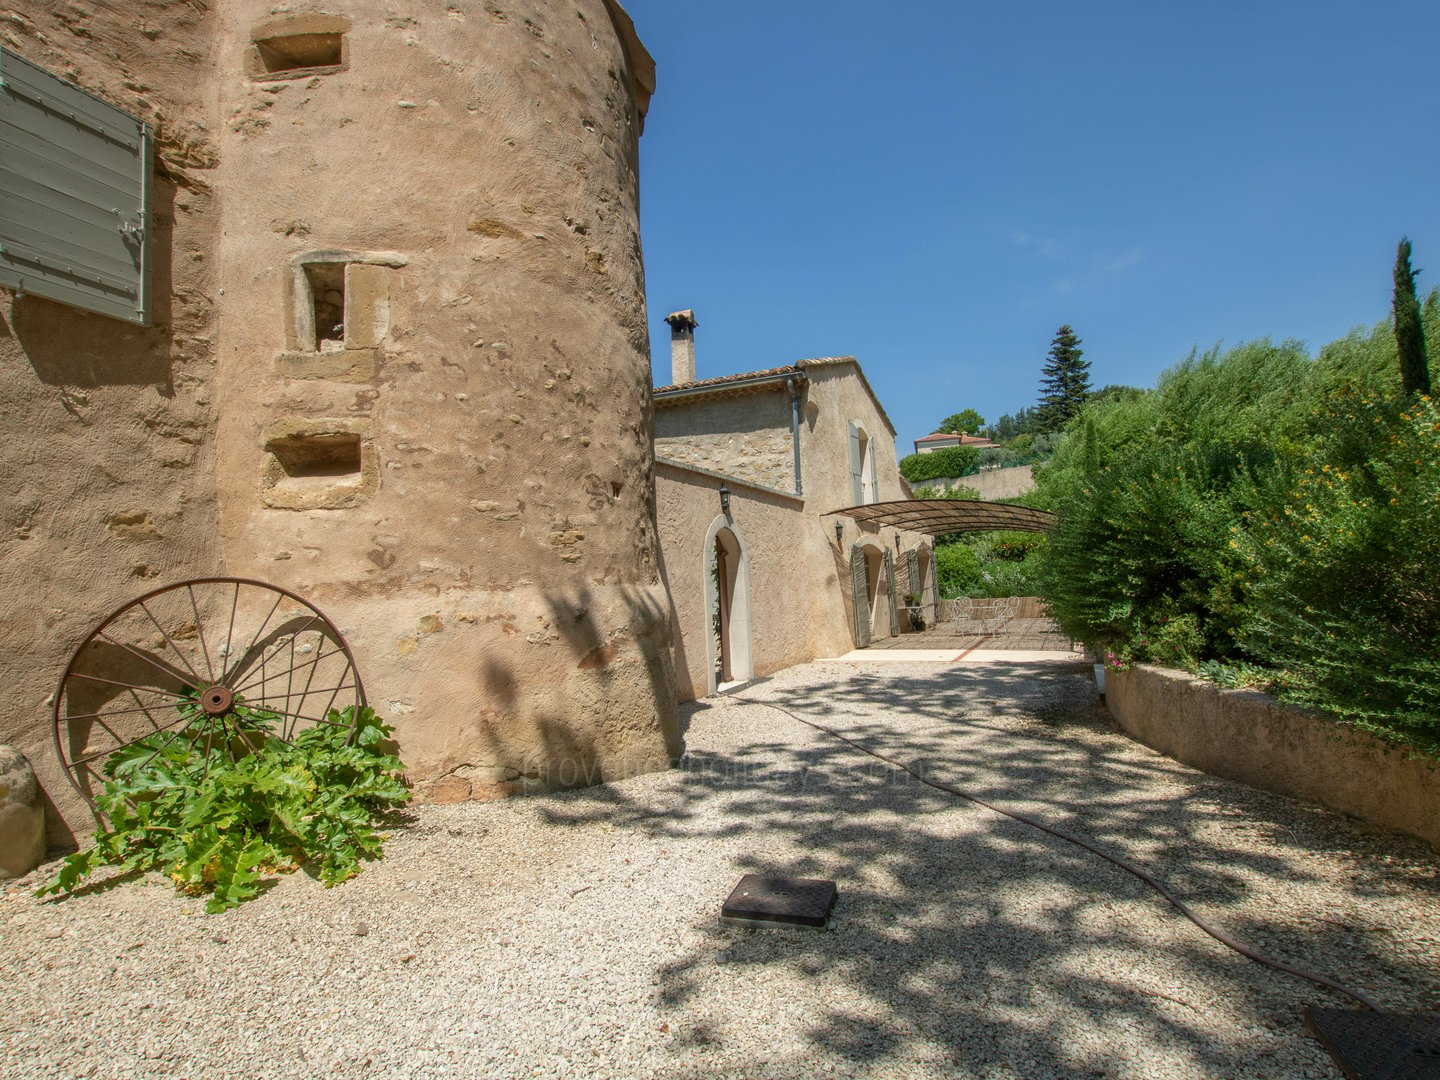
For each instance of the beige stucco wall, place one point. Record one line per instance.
(797, 610)
(747, 435)
(493, 562)
(1250, 737)
(107, 468)
(992, 484)
(484, 161)
(834, 396)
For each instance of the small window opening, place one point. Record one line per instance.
(319, 457)
(327, 297)
(298, 52)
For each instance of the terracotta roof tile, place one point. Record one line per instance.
(721, 380)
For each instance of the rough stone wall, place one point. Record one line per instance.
(491, 556)
(107, 470)
(747, 435)
(456, 189)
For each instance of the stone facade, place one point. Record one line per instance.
(410, 233)
(794, 602)
(746, 436)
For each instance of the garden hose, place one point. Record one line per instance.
(1130, 868)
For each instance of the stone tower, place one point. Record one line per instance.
(402, 369)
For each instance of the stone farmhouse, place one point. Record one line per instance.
(394, 359)
(748, 471)
(373, 332)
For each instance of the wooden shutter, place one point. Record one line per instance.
(915, 586)
(74, 195)
(890, 588)
(859, 596)
(856, 495)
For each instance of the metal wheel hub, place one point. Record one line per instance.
(217, 701)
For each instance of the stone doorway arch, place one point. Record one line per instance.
(728, 651)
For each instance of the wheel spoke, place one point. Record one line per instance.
(122, 742)
(231, 672)
(264, 656)
(127, 686)
(200, 629)
(294, 667)
(230, 630)
(156, 664)
(169, 641)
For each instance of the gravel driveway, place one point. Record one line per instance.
(577, 935)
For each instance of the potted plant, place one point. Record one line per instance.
(915, 612)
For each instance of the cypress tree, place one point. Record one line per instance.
(1066, 382)
(1409, 334)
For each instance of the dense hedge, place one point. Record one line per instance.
(1263, 509)
(947, 461)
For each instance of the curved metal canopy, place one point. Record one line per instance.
(941, 516)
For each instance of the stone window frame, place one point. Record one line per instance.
(295, 24)
(345, 492)
(368, 286)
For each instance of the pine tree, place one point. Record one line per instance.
(1066, 382)
(1409, 334)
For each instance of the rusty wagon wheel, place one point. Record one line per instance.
(209, 663)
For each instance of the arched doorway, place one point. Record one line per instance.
(727, 595)
(872, 584)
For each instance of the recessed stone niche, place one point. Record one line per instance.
(337, 314)
(297, 47)
(318, 464)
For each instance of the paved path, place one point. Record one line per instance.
(577, 935)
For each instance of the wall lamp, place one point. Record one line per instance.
(840, 532)
(725, 500)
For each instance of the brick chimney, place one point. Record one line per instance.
(682, 346)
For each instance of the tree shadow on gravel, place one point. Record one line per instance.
(1006, 951)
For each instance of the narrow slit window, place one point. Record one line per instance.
(327, 304)
(326, 456)
(296, 53)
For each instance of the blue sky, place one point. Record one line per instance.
(935, 187)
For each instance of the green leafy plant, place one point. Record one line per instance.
(947, 461)
(215, 814)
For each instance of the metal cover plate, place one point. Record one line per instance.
(761, 900)
(1379, 1046)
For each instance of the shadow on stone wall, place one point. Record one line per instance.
(73, 348)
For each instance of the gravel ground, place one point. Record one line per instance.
(577, 935)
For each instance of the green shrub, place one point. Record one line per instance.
(1144, 543)
(957, 568)
(947, 461)
(180, 805)
(1339, 574)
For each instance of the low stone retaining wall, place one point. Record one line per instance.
(1250, 737)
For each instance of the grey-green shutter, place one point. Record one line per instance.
(890, 588)
(74, 195)
(859, 596)
(857, 495)
(915, 587)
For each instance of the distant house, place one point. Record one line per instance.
(749, 469)
(941, 439)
